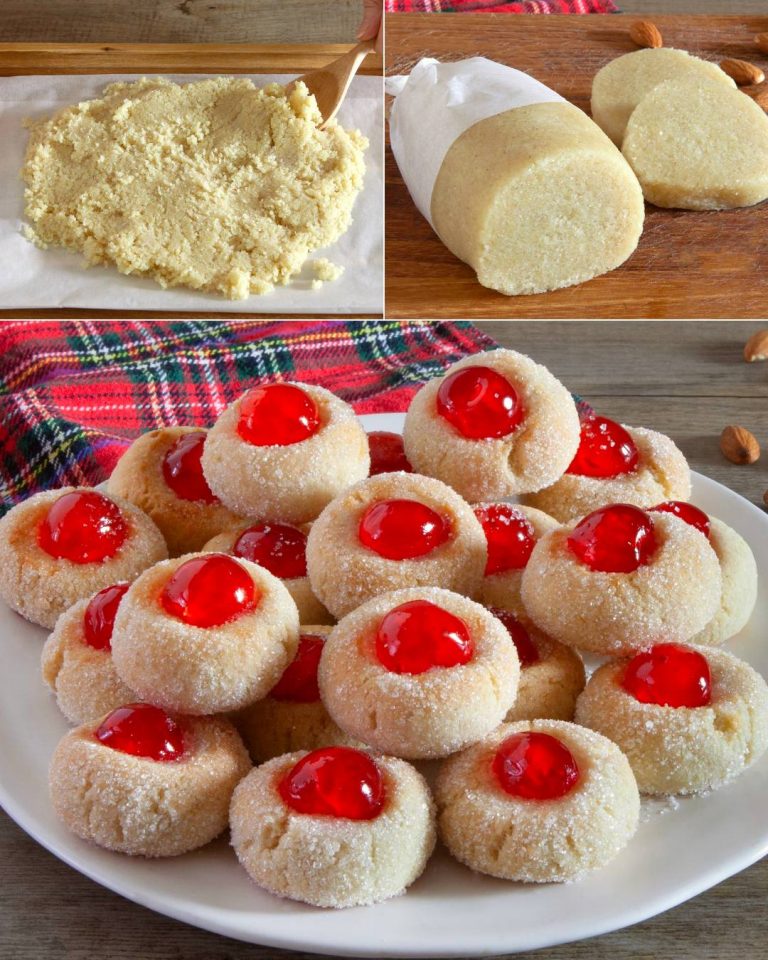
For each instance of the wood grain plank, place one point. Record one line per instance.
(687, 264)
(181, 21)
(51, 58)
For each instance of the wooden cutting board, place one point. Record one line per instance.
(140, 58)
(687, 265)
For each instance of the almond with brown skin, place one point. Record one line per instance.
(742, 71)
(765, 498)
(738, 445)
(759, 93)
(646, 34)
(756, 348)
(762, 41)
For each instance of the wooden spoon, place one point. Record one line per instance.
(330, 84)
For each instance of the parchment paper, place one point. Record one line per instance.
(437, 102)
(30, 277)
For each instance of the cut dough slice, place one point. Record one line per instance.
(699, 146)
(537, 198)
(620, 86)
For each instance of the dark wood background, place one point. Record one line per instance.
(686, 379)
(688, 264)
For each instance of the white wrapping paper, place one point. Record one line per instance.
(30, 277)
(437, 102)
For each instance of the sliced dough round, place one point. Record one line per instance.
(699, 145)
(537, 198)
(621, 84)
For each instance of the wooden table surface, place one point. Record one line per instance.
(686, 379)
(688, 264)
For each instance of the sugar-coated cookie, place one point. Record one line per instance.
(147, 784)
(616, 464)
(621, 578)
(537, 801)
(418, 673)
(688, 718)
(77, 659)
(494, 425)
(551, 674)
(204, 633)
(292, 716)
(280, 548)
(333, 828)
(61, 546)
(390, 532)
(161, 473)
(511, 531)
(283, 451)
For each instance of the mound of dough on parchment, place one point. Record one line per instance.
(216, 185)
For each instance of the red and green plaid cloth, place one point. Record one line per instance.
(73, 394)
(482, 6)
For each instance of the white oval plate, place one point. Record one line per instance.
(449, 912)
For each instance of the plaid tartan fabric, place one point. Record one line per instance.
(482, 6)
(73, 394)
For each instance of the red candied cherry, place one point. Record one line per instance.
(669, 675)
(278, 547)
(614, 539)
(298, 683)
(208, 591)
(142, 731)
(686, 511)
(387, 453)
(535, 766)
(334, 782)
(402, 529)
(510, 537)
(99, 617)
(419, 635)
(480, 403)
(182, 471)
(605, 450)
(527, 651)
(84, 527)
(277, 414)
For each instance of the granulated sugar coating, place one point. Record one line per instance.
(332, 861)
(84, 680)
(531, 840)
(662, 474)
(215, 185)
(683, 749)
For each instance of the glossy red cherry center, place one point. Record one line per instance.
(509, 534)
(335, 782)
(277, 414)
(535, 766)
(84, 527)
(208, 591)
(480, 403)
(605, 450)
(298, 683)
(143, 731)
(669, 675)
(402, 529)
(686, 511)
(419, 635)
(387, 453)
(99, 616)
(615, 539)
(183, 472)
(278, 547)
(527, 651)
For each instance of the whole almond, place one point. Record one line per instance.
(742, 71)
(646, 34)
(765, 498)
(762, 41)
(738, 445)
(759, 93)
(756, 348)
